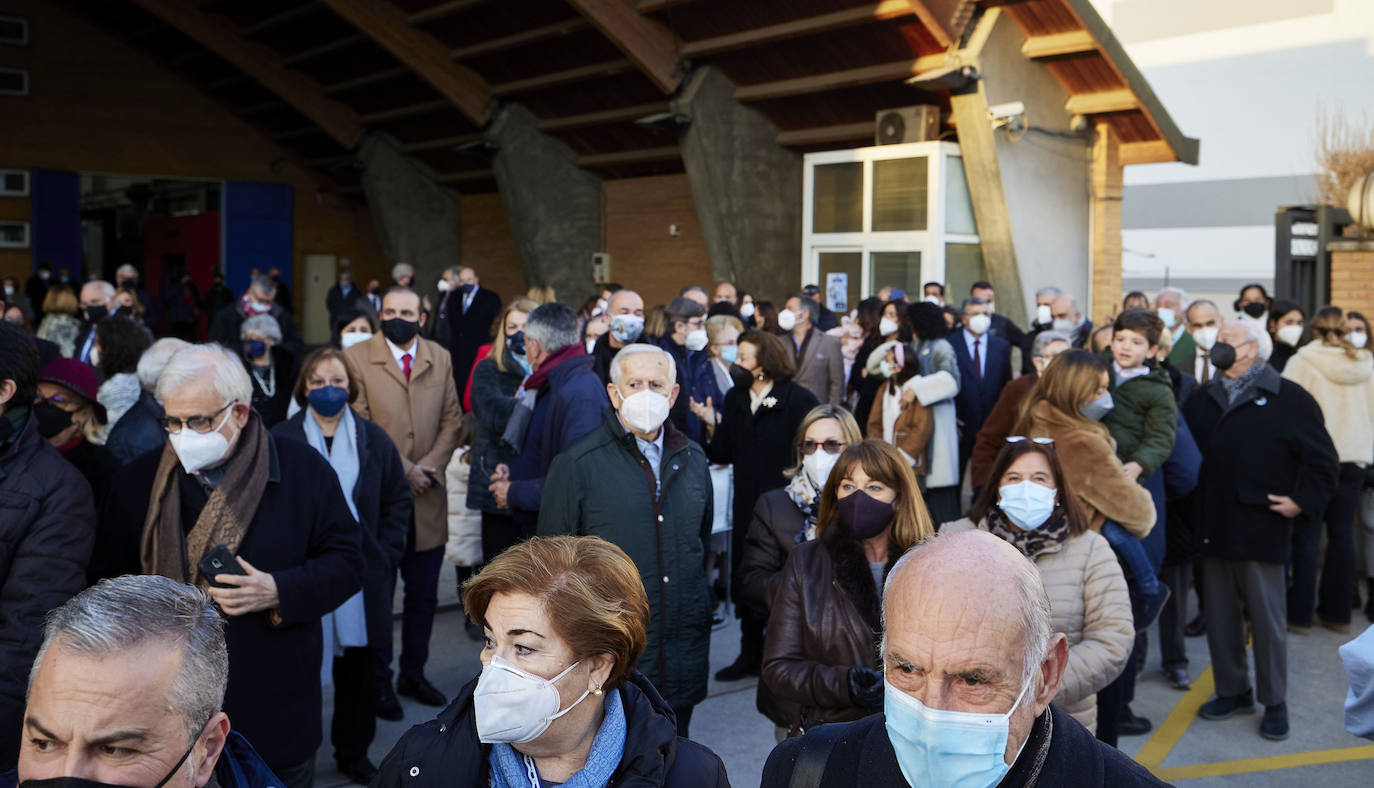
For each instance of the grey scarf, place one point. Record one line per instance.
(1243, 385)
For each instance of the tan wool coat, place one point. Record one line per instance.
(421, 417)
(1089, 604)
(1093, 472)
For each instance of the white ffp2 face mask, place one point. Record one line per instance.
(746, 310)
(197, 450)
(696, 340)
(1358, 338)
(513, 707)
(818, 466)
(887, 327)
(1289, 335)
(1205, 337)
(644, 411)
(787, 320)
(978, 324)
(352, 338)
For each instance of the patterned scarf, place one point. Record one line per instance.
(1238, 387)
(807, 499)
(1031, 543)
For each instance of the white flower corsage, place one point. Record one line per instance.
(769, 402)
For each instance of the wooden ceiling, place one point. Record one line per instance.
(316, 75)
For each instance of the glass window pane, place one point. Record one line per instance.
(958, 206)
(899, 194)
(837, 198)
(847, 263)
(897, 270)
(963, 267)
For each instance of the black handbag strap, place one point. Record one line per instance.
(816, 747)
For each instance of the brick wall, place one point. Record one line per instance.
(635, 215)
(1352, 277)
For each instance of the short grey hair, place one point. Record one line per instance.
(1044, 339)
(152, 361)
(1188, 311)
(1052, 292)
(123, 613)
(402, 269)
(1176, 291)
(553, 326)
(106, 289)
(1036, 612)
(1254, 331)
(263, 326)
(263, 285)
(211, 362)
(811, 308)
(126, 268)
(641, 349)
(971, 301)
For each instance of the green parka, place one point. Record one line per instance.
(1143, 419)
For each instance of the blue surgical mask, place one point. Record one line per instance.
(1028, 504)
(1098, 408)
(952, 749)
(1167, 315)
(729, 354)
(626, 328)
(327, 400)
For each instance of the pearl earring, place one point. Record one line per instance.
(597, 692)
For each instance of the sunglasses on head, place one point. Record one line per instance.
(1039, 441)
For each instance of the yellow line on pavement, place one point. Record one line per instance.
(1166, 737)
(1269, 763)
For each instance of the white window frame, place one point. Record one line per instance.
(23, 192)
(24, 72)
(28, 235)
(930, 243)
(23, 41)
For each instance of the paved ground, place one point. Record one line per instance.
(1182, 749)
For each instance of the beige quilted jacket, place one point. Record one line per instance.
(1089, 604)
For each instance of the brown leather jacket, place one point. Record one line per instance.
(825, 619)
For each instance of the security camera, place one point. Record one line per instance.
(1010, 109)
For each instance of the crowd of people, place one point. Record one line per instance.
(611, 482)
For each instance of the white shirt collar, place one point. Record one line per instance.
(397, 352)
(1124, 375)
(970, 338)
(657, 441)
(756, 399)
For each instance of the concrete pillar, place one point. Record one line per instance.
(416, 218)
(553, 206)
(747, 188)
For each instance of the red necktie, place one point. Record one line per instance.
(405, 365)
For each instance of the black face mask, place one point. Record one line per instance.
(516, 343)
(399, 331)
(741, 376)
(1255, 309)
(81, 782)
(124, 311)
(51, 419)
(1222, 356)
(95, 314)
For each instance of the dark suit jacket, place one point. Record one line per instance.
(335, 301)
(470, 330)
(1004, 328)
(976, 397)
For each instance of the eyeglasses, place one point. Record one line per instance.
(809, 447)
(200, 424)
(1038, 441)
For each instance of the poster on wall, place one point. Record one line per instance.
(837, 292)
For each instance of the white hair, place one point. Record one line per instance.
(1035, 608)
(1051, 291)
(1182, 294)
(641, 349)
(1046, 338)
(402, 269)
(107, 289)
(152, 361)
(126, 269)
(263, 285)
(209, 362)
(1254, 331)
(123, 613)
(263, 326)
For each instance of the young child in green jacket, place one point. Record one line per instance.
(1144, 423)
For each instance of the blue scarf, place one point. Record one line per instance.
(608, 748)
(343, 456)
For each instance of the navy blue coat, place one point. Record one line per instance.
(863, 756)
(137, 431)
(977, 398)
(47, 528)
(681, 415)
(445, 751)
(385, 505)
(304, 535)
(704, 386)
(571, 403)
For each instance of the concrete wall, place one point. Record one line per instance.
(111, 110)
(1046, 178)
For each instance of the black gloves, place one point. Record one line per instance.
(866, 688)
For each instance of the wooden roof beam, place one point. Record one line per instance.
(443, 142)
(1151, 152)
(408, 111)
(1077, 42)
(654, 48)
(524, 37)
(877, 12)
(388, 26)
(553, 79)
(629, 157)
(277, 19)
(1120, 100)
(442, 10)
(868, 75)
(366, 79)
(650, 6)
(464, 176)
(939, 30)
(604, 117)
(262, 64)
(324, 49)
(843, 132)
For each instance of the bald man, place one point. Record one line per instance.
(471, 313)
(971, 666)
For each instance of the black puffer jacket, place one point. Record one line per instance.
(493, 400)
(445, 751)
(47, 528)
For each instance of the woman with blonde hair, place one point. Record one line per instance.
(1067, 405)
(60, 324)
(558, 701)
(820, 653)
(1337, 375)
